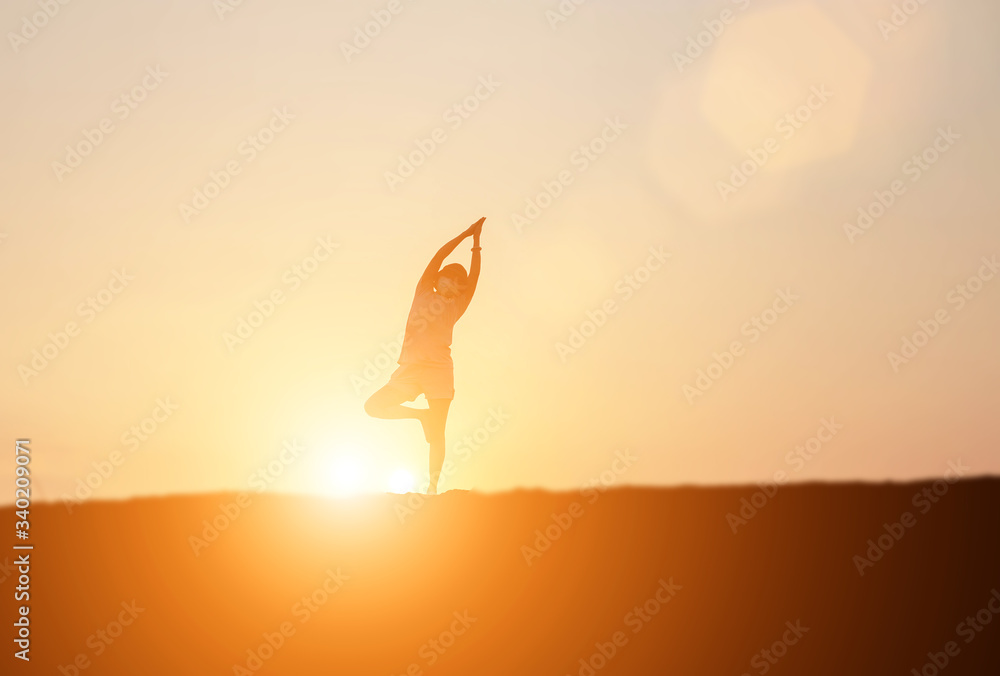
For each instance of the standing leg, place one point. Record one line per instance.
(437, 416)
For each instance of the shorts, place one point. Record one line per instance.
(435, 382)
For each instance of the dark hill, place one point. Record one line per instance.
(345, 587)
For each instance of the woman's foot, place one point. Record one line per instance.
(423, 415)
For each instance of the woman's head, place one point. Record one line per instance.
(451, 280)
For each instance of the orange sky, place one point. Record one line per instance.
(690, 198)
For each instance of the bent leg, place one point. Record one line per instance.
(387, 402)
(434, 424)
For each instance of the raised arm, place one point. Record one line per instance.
(429, 277)
(470, 286)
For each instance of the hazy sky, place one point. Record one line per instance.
(734, 139)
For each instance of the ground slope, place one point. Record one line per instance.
(519, 583)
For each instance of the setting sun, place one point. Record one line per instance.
(344, 475)
(401, 481)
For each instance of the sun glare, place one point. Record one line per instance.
(401, 481)
(345, 476)
(348, 470)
